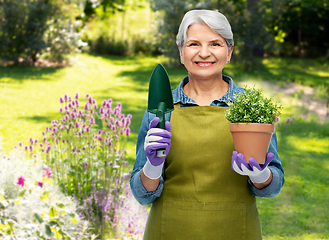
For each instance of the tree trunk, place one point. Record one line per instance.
(300, 50)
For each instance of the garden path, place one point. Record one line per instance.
(310, 100)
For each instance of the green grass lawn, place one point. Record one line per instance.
(30, 100)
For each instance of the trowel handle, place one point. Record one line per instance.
(161, 115)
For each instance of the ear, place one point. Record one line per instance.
(181, 54)
(229, 54)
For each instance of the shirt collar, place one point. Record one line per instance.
(180, 96)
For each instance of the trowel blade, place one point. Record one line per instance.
(160, 90)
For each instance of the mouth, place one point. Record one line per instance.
(204, 64)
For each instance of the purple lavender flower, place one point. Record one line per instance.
(65, 97)
(127, 131)
(86, 165)
(40, 184)
(76, 95)
(48, 148)
(92, 120)
(101, 110)
(61, 100)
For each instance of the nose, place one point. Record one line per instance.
(204, 52)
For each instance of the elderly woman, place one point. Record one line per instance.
(200, 190)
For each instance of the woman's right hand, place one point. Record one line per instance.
(156, 139)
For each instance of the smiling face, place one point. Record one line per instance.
(205, 53)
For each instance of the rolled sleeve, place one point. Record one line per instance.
(139, 192)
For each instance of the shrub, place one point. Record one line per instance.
(85, 153)
(85, 150)
(30, 29)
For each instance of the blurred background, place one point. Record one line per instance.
(33, 30)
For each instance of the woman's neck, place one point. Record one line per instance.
(205, 91)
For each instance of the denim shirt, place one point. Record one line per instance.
(144, 197)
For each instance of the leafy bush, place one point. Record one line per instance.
(30, 29)
(105, 44)
(108, 45)
(252, 107)
(32, 205)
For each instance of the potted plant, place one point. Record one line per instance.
(252, 117)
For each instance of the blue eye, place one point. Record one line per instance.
(215, 44)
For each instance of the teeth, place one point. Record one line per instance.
(203, 64)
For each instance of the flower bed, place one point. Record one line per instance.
(83, 155)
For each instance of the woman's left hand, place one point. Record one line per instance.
(258, 173)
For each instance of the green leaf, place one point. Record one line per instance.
(60, 205)
(38, 217)
(21, 194)
(48, 230)
(53, 223)
(53, 212)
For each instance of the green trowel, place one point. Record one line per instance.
(160, 99)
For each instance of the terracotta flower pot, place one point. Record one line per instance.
(252, 139)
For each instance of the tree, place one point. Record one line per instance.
(305, 24)
(254, 39)
(31, 28)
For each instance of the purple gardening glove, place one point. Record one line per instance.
(156, 139)
(256, 172)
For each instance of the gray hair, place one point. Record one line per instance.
(215, 20)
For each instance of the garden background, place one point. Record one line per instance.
(108, 49)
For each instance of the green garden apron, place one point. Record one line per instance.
(202, 197)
